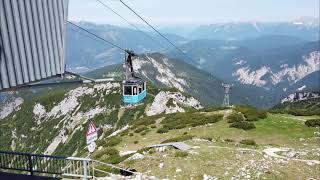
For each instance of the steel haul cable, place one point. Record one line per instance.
(155, 30)
(131, 24)
(83, 29)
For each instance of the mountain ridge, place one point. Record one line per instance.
(173, 73)
(272, 67)
(303, 29)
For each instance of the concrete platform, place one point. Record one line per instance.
(10, 176)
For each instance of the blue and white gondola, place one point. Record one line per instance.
(134, 89)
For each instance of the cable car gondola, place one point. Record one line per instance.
(134, 89)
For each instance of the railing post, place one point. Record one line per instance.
(85, 170)
(92, 161)
(30, 165)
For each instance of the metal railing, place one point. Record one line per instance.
(47, 164)
(37, 164)
(32, 163)
(79, 167)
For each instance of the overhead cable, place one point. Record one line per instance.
(83, 29)
(154, 29)
(131, 24)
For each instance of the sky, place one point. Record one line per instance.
(193, 12)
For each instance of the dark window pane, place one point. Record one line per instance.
(127, 90)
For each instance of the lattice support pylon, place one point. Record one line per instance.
(226, 99)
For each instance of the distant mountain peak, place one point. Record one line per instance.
(299, 96)
(292, 74)
(307, 21)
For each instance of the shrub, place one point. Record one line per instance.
(181, 126)
(185, 133)
(234, 117)
(255, 115)
(248, 142)
(206, 138)
(100, 142)
(180, 154)
(251, 113)
(228, 140)
(276, 111)
(152, 151)
(130, 134)
(243, 125)
(143, 122)
(182, 120)
(295, 112)
(129, 163)
(174, 126)
(313, 123)
(135, 142)
(178, 139)
(207, 120)
(210, 109)
(302, 112)
(145, 132)
(170, 103)
(106, 151)
(124, 133)
(163, 130)
(116, 159)
(113, 141)
(140, 129)
(153, 126)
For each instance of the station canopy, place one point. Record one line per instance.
(32, 41)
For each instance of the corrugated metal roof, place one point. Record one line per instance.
(32, 40)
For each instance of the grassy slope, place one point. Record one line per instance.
(276, 130)
(221, 158)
